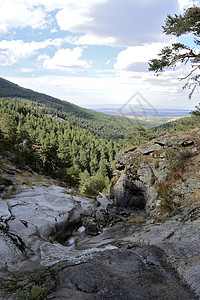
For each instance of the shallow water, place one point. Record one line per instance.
(54, 253)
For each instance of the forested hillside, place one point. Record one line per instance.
(67, 142)
(139, 134)
(102, 125)
(182, 124)
(58, 148)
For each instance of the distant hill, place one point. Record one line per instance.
(160, 112)
(100, 124)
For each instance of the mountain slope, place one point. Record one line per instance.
(102, 125)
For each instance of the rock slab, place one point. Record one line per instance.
(138, 274)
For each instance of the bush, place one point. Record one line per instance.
(92, 185)
(68, 175)
(166, 194)
(175, 159)
(5, 145)
(34, 292)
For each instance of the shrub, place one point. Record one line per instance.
(31, 292)
(92, 185)
(175, 159)
(166, 194)
(5, 145)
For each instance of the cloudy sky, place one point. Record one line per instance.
(93, 53)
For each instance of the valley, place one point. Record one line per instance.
(117, 201)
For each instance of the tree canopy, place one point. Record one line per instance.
(57, 148)
(170, 56)
(102, 125)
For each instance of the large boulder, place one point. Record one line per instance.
(127, 194)
(166, 167)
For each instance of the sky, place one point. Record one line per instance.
(93, 53)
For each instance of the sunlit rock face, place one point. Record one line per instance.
(36, 216)
(168, 164)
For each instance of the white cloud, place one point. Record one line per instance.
(113, 90)
(127, 22)
(3, 28)
(67, 59)
(54, 30)
(184, 4)
(43, 57)
(89, 39)
(73, 15)
(26, 70)
(108, 62)
(12, 51)
(51, 5)
(20, 14)
(129, 58)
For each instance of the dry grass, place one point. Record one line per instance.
(11, 191)
(30, 179)
(26, 178)
(138, 219)
(194, 199)
(160, 216)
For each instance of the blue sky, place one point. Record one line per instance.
(93, 53)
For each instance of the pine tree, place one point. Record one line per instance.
(8, 127)
(188, 23)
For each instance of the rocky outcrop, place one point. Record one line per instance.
(138, 274)
(142, 273)
(168, 165)
(35, 216)
(40, 221)
(128, 194)
(81, 248)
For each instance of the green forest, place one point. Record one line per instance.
(56, 147)
(74, 155)
(56, 138)
(102, 125)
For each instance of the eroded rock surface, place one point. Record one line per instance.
(170, 162)
(138, 274)
(37, 216)
(86, 249)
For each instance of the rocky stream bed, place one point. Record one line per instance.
(59, 245)
(85, 249)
